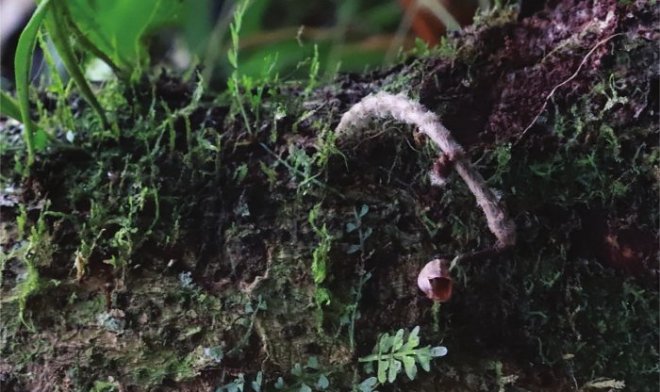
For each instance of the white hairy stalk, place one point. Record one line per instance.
(401, 108)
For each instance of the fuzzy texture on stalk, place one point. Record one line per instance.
(403, 109)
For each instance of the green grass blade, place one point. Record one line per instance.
(9, 106)
(23, 67)
(55, 24)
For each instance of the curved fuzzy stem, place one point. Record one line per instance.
(402, 109)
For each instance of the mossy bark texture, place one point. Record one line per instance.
(189, 252)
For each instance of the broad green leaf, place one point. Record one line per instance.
(82, 39)
(23, 68)
(409, 366)
(305, 388)
(119, 27)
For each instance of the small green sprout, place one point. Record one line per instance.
(393, 353)
(305, 378)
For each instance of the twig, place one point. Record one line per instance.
(570, 78)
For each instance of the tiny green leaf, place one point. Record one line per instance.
(322, 296)
(397, 341)
(424, 360)
(413, 338)
(382, 371)
(439, 351)
(395, 368)
(40, 140)
(313, 362)
(385, 343)
(410, 367)
(368, 385)
(368, 232)
(256, 384)
(323, 382)
(233, 60)
(297, 370)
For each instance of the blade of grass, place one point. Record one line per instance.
(9, 106)
(55, 24)
(23, 68)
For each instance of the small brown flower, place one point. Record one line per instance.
(434, 280)
(442, 166)
(440, 171)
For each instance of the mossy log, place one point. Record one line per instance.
(188, 251)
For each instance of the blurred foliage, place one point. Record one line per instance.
(350, 35)
(118, 27)
(282, 38)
